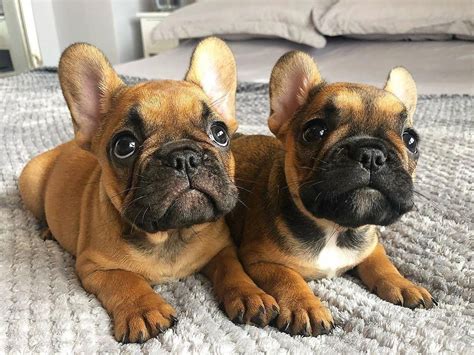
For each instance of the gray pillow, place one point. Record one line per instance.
(243, 19)
(395, 19)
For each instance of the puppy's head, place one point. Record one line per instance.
(351, 150)
(163, 146)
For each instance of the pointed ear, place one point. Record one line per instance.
(293, 76)
(88, 82)
(213, 69)
(401, 84)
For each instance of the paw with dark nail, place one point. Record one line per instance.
(402, 292)
(250, 305)
(137, 324)
(305, 317)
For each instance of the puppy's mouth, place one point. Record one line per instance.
(189, 208)
(352, 198)
(165, 200)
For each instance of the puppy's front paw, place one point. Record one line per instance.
(141, 319)
(306, 316)
(400, 291)
(248, 304)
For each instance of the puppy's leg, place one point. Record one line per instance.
(32, 181)
(301, 312)
(382, 278)
(138, 312)
(242, 300)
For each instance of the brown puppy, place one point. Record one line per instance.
(343, 162)
(138, 196)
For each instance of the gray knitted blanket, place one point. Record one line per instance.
(44, 309)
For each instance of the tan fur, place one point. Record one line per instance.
(32, 182)
(77, 192)
(401, 84)
(381, 277)
(285, 94)
(269, 167)
(349, 102)
(215, 53)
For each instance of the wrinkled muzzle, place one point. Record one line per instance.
(181, 185)
(360, 181)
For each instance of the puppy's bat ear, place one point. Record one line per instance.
(88, 82)
(401, 84)
(293, 76)
(213, 69)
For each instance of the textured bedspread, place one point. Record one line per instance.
(43, 307)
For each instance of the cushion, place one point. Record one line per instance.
(237, 19)
(400, 19)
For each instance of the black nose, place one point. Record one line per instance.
(185, 161)
(371, 158)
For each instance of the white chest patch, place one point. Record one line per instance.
(333, 260)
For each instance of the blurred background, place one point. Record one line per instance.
(350, 40)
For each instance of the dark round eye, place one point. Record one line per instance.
(314, 130)
(125, 146)
(411, 141)
(218, 133)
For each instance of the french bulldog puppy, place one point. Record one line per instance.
(342, 162)
(138, 197)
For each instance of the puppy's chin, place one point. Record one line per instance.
(186, 209)
(164, 198)
(358, 207)
(190, 208)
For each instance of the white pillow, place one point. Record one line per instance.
(395, 19)
(243, 19)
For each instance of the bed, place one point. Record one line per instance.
(44, 309)
(439, 67)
